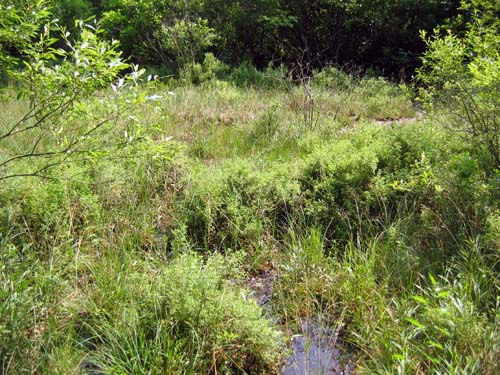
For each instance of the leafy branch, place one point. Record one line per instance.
(60, 87)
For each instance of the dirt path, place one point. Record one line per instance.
(401, 121)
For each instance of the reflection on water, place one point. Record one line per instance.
(316, 351)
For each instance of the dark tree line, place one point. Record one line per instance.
(377, 34)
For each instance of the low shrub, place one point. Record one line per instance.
(246, 75)
(189, 318)
(210, 69)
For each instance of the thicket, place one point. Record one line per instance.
(365, 34)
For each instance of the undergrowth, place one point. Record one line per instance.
(137, 262)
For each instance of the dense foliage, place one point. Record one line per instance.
(461, 75)
(367, 34)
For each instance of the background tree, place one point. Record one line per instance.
(461, 76)
(377, 34)
(19, 23)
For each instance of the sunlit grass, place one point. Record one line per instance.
(139, 260)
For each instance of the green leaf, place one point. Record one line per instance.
(419, 299)
(415, 322)
(444, 331)
(432, 279)
(443, 294)
(435, 344)
(398, 357)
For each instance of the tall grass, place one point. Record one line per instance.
(138, 261)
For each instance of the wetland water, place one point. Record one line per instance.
(316, 348)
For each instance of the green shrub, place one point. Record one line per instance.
(334, 79)
(246, 75)
(210, 69)
(461, 76)
(345, 186)
(190, 318)
(237, 205)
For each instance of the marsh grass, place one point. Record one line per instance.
(218, 120)
(136, 260)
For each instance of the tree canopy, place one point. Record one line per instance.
(379, 34)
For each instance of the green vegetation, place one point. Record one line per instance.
(138, 215)
(462, 76)
(381, 34)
